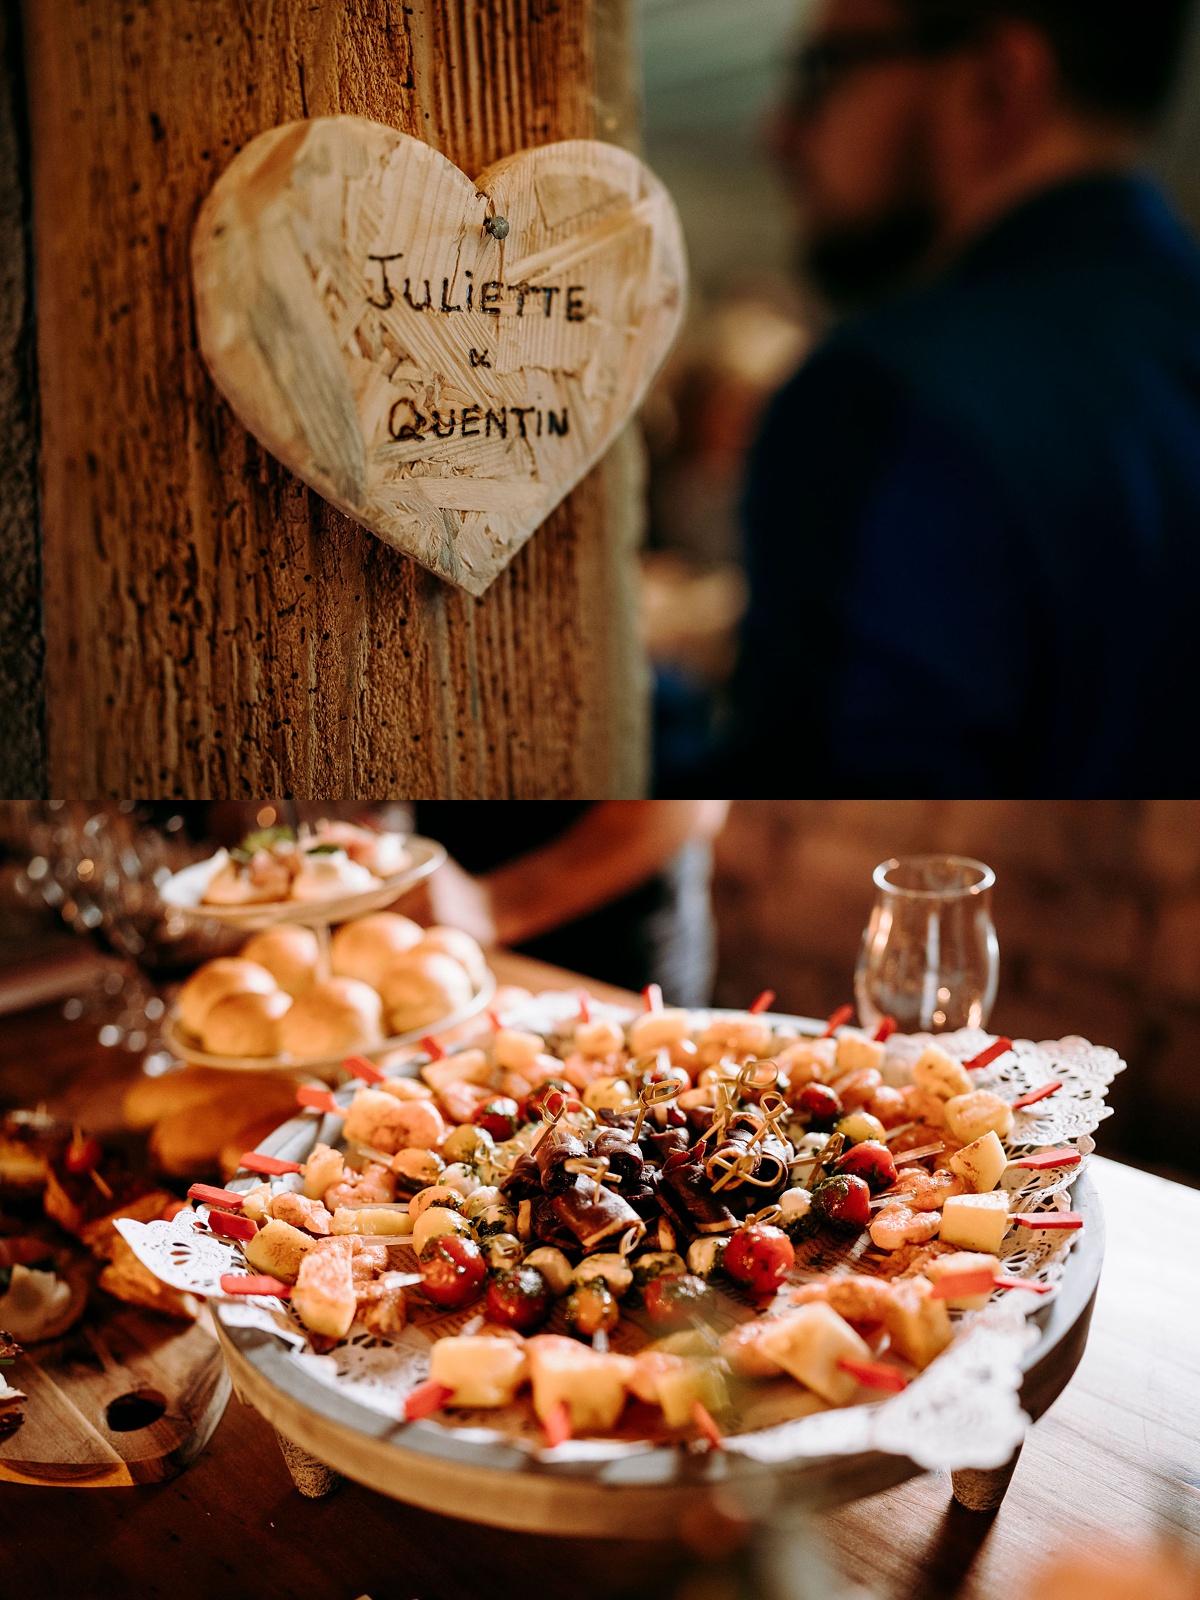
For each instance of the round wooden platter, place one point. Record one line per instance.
(636, 1496)
(125, 1397)
(178, 1043)
(183, 894)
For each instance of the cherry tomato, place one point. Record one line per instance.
(843, 1203)
(454, 1270)
(535, 1100)
(82, 1155)
(674, 1300)
(518, 1299)
(871, 1161)
(819, 1104)
(759, 1257)
(500, 1117)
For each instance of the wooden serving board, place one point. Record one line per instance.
(126, 1397)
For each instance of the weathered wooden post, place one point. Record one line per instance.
(212, 626)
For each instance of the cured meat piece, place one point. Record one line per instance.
(623, 1156)
(592, 1218)
(554, 1150)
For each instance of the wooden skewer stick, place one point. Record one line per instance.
(589, 1167)
(654, 1094)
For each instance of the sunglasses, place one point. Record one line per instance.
(820, 68)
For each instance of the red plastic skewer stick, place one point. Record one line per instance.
(316, 1099)
(360, 1067)
(1034, 1095)
(243, 1283)
(986, 1057)
(885, 1030)
(434, 1050)
(425, 1399)
(1045, 1159)
(652, 995)
(705, 1424)
(764, 1003)
(255, 1161)
(1049, 1219)
(840, 1016)
(1023, 1283)
(558, 1423)
(585, 1006)
(979, 1281)
(208, 1195)
(875, 1374)
(226, 1226)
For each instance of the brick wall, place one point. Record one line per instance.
(1097, 908)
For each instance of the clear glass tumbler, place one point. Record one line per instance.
(929, 954)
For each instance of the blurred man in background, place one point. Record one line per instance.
(973, 516)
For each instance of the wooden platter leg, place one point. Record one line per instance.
(983, 1491)
(312, 1477)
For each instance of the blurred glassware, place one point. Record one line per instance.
(100, 866)
(929, 955)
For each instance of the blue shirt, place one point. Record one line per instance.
(973, 525)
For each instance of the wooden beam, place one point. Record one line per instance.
(213, 628)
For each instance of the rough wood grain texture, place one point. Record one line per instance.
(445, 387)
(22, 758)
(213, 627)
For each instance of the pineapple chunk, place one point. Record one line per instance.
(981, 1163)
(370, 1219)
(278, 1250)
(970, 1116)
(975, 1221)
(323, 1168)
(482, 1372)
(809, 1343)
(965, 1264)
(324, 1297)
(854, 1053)
(940, 1074)
(592, 1385)
(678, 1389)
(918, 1325)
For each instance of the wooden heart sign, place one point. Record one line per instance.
(442, 359)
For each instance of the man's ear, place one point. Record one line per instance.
(1017, 86)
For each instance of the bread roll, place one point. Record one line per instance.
(365, 948)
(245, 1024)
(334, 1018)
(421, 988)
(460, 947)
(289, 952)
(213, 981)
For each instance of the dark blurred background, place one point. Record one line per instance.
(713, 70)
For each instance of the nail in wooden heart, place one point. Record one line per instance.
(443, 380)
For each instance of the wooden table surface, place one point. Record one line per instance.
(1118, 1456)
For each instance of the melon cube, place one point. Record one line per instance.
(854, 1053)
(278, 1250)
(918, 1326)
(809, 1343)
(592, 1385)
(679, 1388)
(969, 1116)
(481, 1372)
(981, 1163)
(324, 1297)
(940, 1074)
(975, 1221)
(945, 1269)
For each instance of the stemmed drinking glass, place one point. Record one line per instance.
(929, 954)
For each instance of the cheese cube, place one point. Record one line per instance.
(854, 1053)
(918, 1325)
(679, 1387)
(482, 1372)
(969, 1116)
(975, 1221)
(981, 1163)
(278, 1249)
(593, 1386)
(370, 1219)
(940, 1074)
(809, 1343)
(963, 1265)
